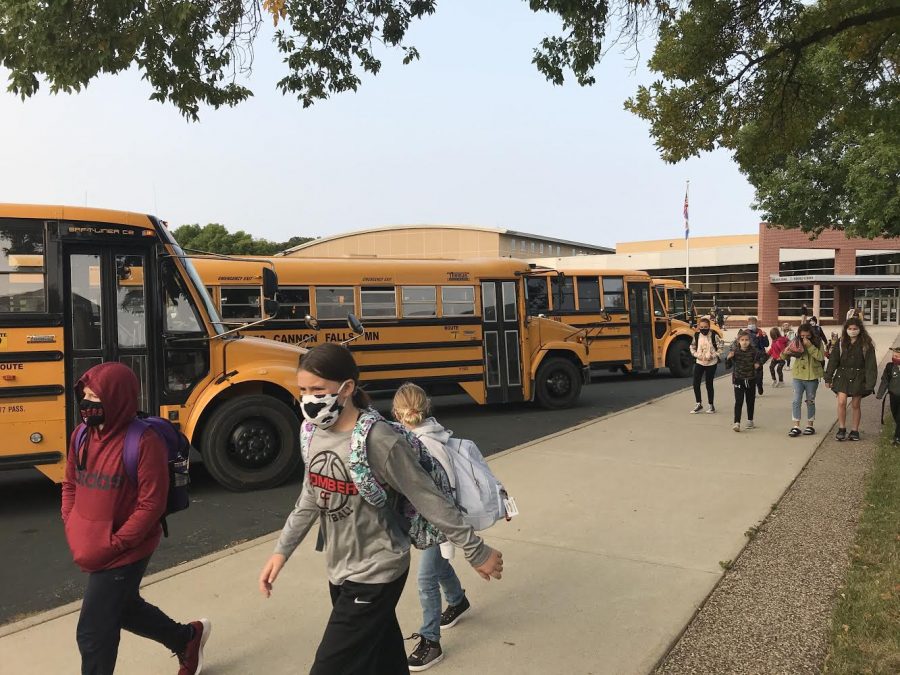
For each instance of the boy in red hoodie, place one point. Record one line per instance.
(112, 525)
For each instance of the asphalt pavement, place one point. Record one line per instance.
(36, 570)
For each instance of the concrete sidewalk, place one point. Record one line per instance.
(624, 522)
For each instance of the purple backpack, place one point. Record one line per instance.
(178, 454)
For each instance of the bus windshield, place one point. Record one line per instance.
(200, 288)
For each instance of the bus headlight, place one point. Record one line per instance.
(37, 437)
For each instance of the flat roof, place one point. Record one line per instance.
(869, 280)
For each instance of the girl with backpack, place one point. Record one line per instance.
(747, 360)
(851, 373)
(809, 367)
(705, 349)
(779, 342)
(366, 546)
(890, 384)
(411, 408)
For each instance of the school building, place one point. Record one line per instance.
(772, 273)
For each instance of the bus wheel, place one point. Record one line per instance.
(558, 384)
(679, 360)
(252, 442)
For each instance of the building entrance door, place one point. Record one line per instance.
(888, 314)
(871, 310)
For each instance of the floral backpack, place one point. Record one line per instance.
(422, 533)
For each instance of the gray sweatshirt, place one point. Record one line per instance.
(362, 543)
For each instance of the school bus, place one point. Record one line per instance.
(632, 322)
(448, 325)
(80, 286)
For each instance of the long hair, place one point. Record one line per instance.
(864, 338)
(334, 362)
(814, 336)
(411, 405)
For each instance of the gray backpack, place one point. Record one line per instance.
(478, 493)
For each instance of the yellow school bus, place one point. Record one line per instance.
(632, 322)
(448, 325)
(80, 286)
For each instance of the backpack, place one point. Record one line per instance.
(178, 454)
(479, 495)
(422, 533)
(715, 342)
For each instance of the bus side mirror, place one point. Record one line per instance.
(270, 308)
(269, 283)
(355, 324)
(311, 322)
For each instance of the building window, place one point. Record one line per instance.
(512, 246)
(588, 294)
(418, 301)
(563, 291)
(379, 303)
(613, 294)
(240, 303)
(458, 300)
(542, 248)
(334, 302)
(558, 250)
(532, 247)
(573, 251)
(522, 246)
(293, 303)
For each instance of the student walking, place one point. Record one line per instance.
(817, 329)
(705, 349)
(890, 384)
(746, 360)
(760, 343)
(809, 367)
(779, 342)
(788, 332)
(851, 373)
(411, 408)
(112, 525)
(366, 548)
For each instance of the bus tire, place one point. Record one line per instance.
(251, 443)
(557, 384)
(679, 360)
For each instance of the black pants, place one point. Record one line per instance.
(744, 390)
(112, 601)
(709, 372)
(777, 365)
(363, 636)
(759, 380)
(895, 413)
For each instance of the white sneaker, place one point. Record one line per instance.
(736, 426)
(750, 424)
(711, 410)
(697, 408)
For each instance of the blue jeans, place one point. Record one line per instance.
(809, 388)
(436, 573)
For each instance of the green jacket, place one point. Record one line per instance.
(810, 365)
(854, 372)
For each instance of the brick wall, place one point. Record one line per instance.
(773, 239)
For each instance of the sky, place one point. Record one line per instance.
(470, 134)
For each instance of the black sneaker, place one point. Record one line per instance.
(424, 656)
(853, 436)
(451, 615)
(841, 435)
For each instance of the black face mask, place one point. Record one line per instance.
(92, 413)
(704, 331)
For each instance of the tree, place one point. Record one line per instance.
(215, 238)
(805, 95)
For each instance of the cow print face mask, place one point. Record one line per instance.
(322, 410)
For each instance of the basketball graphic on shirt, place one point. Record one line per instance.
(331, 482)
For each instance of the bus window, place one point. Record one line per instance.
(419, 301)
(240, 303)
(659, 303)
(509, 301)
(588, 294)
(22, 282)
(489, 309)
(87, 302)
(538, 300)
(458, 300)
(613, 294)
(378, 303)
(293, 303)
(334, 302)
(563, 291)
(130, 304)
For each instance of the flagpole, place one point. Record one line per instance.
(687, 238)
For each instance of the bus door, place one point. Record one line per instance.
(641, 323)
(661, 321)
(502, 358)
(106, 308)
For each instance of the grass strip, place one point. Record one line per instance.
(865, 632)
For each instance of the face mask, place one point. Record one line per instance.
(745, 345)
(751, 326)
(704, 331)
(853, 332)
(322, 410)
(91, 413)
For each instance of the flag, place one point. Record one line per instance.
(687, 228)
